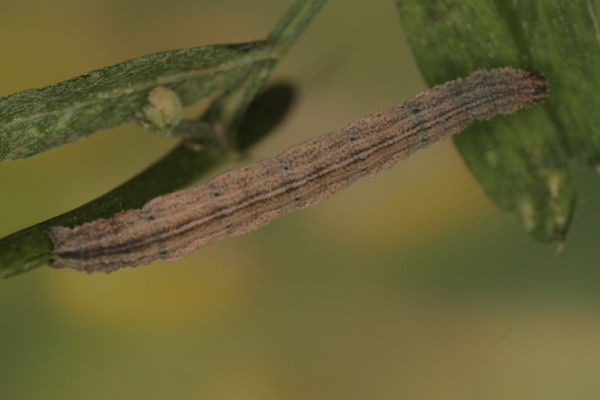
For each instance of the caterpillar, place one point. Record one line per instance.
(241, 200)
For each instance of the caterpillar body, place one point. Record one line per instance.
(241, 200)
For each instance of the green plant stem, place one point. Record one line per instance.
(229, 109)
(31, 247)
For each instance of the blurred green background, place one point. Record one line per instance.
(410, 284)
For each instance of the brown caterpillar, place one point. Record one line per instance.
(244, 199)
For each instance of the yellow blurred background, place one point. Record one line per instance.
(409, 285)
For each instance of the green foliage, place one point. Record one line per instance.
(229, 117)
(522, 162)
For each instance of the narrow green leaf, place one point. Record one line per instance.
(560, 38)
(38, 119)
(522, 161)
